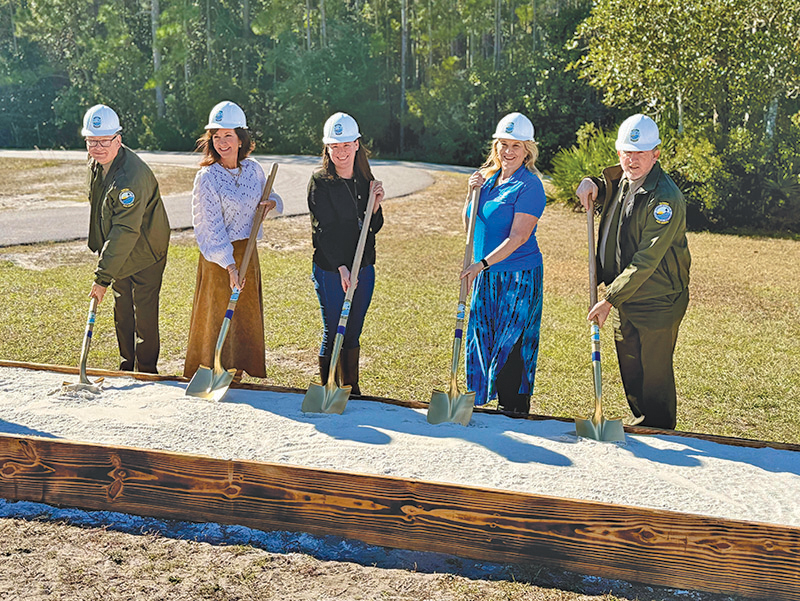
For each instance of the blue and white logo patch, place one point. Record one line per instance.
(97, 121)
(126, 197)
(662, 213)
(635, 135)
(218, 116)
(338, 129)
(510, 127)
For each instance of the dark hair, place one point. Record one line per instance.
(360, 163)
(205, 145)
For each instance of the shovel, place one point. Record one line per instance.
(330, 398)
(85, 383)
(213, 384)
(597, 427)
(451, 406)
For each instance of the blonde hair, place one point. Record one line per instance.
(492, 164)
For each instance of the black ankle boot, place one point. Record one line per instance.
(324, 368)
(348, 369)
(517, 403)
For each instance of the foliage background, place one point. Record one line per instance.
(428, 80)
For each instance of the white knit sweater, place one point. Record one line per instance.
(223, 212)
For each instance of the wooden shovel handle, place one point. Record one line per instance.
(362, 243)
(474, 195)
(592, 255)
(261, 210)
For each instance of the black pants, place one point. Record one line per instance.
(645, 335)
(508, 382)
(136, 318)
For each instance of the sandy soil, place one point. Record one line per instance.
(184, 561)
(494, 451)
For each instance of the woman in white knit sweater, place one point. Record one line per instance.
(227, 191)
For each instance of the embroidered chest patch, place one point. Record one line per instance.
(662, 213)
(126, 197)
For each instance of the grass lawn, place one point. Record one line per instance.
(736, 360)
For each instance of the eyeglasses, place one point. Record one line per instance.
(101, 143)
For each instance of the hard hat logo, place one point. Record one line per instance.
(634, 135)
(338, 129)
(97, 121)
(218, 117)
(510, 127)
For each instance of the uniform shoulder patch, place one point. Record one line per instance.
(662, 213)
(126, 197)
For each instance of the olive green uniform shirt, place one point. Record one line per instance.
(128, 226)
(654, 254)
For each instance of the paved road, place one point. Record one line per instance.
(69, 221)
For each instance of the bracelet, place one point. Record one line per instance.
(485, 264)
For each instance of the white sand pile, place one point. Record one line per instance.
(541, 457)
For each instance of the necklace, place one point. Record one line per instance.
(236, 175)
(353, 198)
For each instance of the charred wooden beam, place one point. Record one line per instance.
(655, 547)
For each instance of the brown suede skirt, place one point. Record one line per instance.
(244, 345)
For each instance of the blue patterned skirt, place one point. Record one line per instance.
(506, 306)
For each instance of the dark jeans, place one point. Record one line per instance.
(328, 285)
(136, 318)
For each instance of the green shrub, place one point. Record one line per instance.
(740, 180)
(737, 181)
(593, 152)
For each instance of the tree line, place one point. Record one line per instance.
(428, 79)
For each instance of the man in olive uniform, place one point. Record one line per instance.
(129, 230)
(643, 259)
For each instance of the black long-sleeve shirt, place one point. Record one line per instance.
(335, 214)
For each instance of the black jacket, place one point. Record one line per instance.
(335, 221)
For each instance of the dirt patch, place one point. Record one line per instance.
(45, 182)
(49, 560)
(47, 256)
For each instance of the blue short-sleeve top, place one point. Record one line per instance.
(522, 193)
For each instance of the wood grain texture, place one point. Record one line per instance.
(655, 547)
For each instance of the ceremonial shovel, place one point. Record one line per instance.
(85, 383)
(213, 384)
(597, 427)
(452, 406)
(328, 397)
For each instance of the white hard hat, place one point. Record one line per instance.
(638, 133)
(514, 126)
(100, 120)
(340, 127)
(226, 115)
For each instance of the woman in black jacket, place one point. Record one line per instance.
(337, 202)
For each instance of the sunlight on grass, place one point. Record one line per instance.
(736, 358)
